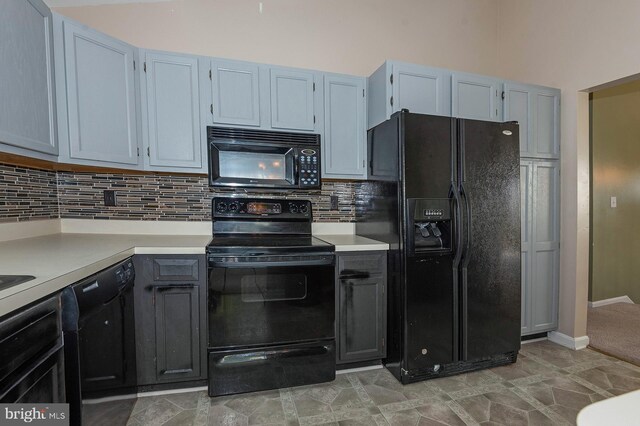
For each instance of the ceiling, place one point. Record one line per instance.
(65, 3)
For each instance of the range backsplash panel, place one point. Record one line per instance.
(177, 197)
(27, 194)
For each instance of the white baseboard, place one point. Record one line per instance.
(355, 370)
(621, 299)
(575, 343)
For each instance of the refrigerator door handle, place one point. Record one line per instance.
(466, 255)
(457, 209)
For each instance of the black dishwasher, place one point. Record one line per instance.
(99, 343)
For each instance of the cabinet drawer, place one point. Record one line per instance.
(28, 333)
(371, 263)
(175, 269)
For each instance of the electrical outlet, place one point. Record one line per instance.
(334, 202)
(614, 202)
(109, 198)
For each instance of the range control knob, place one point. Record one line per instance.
(233, 207)
(293, 208)
(221, 207)
(304, 208)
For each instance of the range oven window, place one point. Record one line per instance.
(251, 165)
(254, 305)
(273, 288)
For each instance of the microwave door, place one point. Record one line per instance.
(249, 165)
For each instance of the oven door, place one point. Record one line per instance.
(270, 300)
(242, 164)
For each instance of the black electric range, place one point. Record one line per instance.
(271, 297)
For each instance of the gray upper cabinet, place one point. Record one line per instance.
(344, 143)
(292, 99)
(235, 92)
(172, 111)
(540, 187)
(100, 97)
(476, 97)
(537, 109)
(27, 92)
(398, 85)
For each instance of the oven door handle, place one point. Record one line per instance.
(269, 264)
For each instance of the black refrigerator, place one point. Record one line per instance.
(445, 194)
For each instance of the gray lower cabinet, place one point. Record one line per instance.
(399, 85)
(170, 302)
(537, 109)
(98, 121)
(27, 92)
(476, 97)
(540, 192)
(344, 144)
(171, 112)
(361, 306)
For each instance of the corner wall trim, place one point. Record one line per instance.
(575, 343)
(604, 302)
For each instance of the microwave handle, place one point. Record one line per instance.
(296, 168)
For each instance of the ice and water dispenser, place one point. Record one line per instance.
(430, 225)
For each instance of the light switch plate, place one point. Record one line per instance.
(614, 202)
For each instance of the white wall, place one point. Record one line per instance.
(574, 45)
(353, 36)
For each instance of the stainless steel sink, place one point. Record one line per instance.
(7, 281)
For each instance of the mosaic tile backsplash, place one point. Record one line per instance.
(27, 194)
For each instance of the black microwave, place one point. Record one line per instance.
(245, 158)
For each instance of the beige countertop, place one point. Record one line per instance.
(350, 242)
(58, 260)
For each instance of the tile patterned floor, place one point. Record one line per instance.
(547, 386)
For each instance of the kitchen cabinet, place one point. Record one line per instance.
(171, 112)
(540, 192)
(98, 123)
(170, 302)
(293, 99)
(476, 97)
(235, 91)
(361, 306)
(27, 84)
(398, 85)
(537, 109)
(344, 144)
(31, 350)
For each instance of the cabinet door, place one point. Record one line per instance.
(420, 89)
(177, 320)
(547, 123)
(100, 96)
(173, 111)
(537, 109)
(361, 306)
(292, 99)
(545, 245)
(344, 141)
(27, 96)
(518, 106)
(236, 93)
(170, 301)
(526, 170)
(476, 97)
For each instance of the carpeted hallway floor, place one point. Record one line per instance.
(615, 330)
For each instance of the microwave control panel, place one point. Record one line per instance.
(309, 168)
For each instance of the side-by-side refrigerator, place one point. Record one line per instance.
(445, 194)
